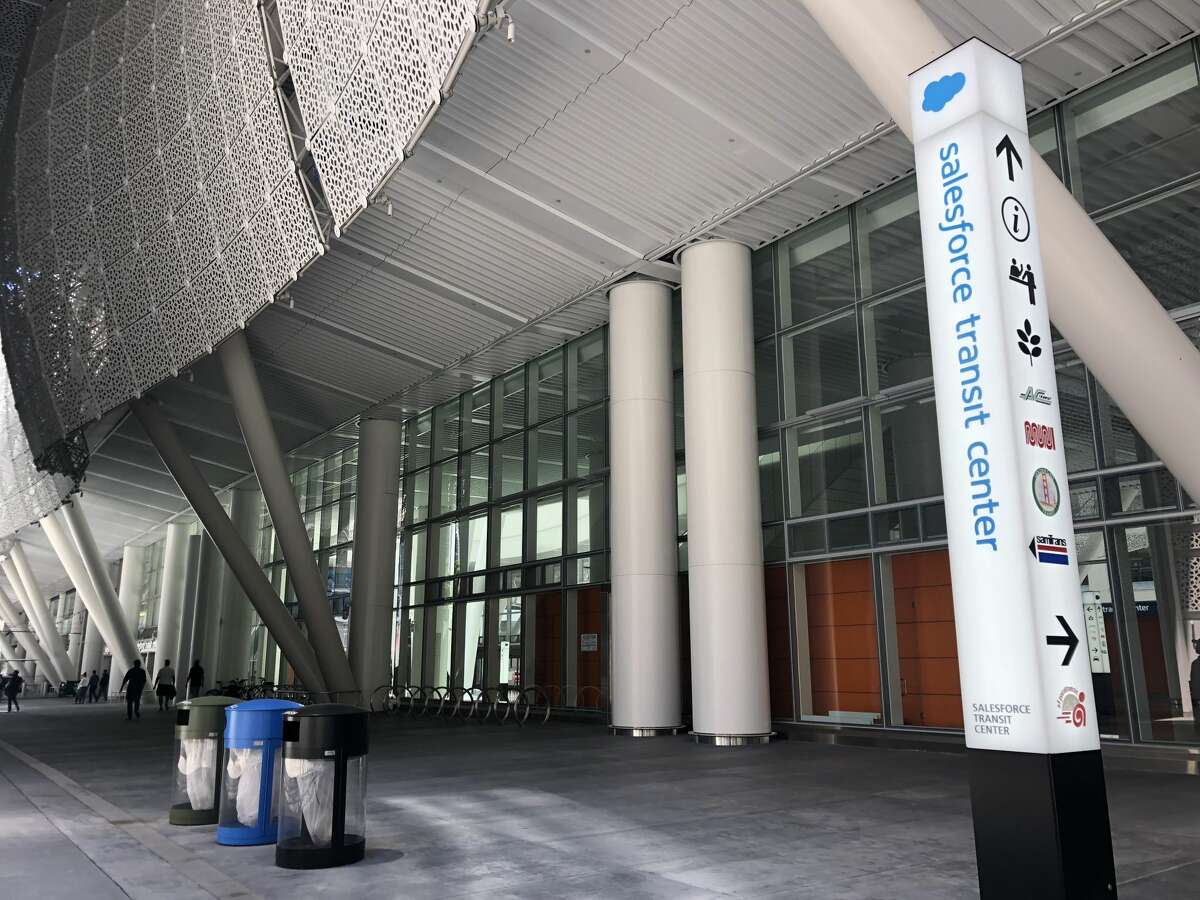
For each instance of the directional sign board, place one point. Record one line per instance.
(1026, 685)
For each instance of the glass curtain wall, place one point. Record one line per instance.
(848, 437)
(503, 536)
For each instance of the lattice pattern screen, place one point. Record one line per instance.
(366, 73)
(16, 19)
(25, 493)
(157, 201)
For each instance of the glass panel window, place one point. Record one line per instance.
(826, 467)
(420, 435)
(1149, 491)
(816, 271)
(589, 531)
(441, 643)
(1121, 442)
(1075, 411)
(546, 387)
(445, 487)
(477, 417)
(586, 432)
(1159, 239)
(510, 403)
(510, 524)
(589, 373)
(447, 422)
(762, 273)
(474, 482)
(477, 541)
(820, 366)
(1043, 137)
(1137, 131)
(546, 454)
(890, 235)
(896, 339)
(418, 495)
(416, 555)
(906, 461)
(894, 526)
(770, 484)
(766, 383)
(508, 466)
(447, 561)
(548, 521)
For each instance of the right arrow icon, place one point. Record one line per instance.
(1006, 147)
(1067, 639)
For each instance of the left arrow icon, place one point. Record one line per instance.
(1067, 639)
(1011, 155)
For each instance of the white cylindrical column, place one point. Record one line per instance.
(187, 616)
(207, 638)
(727, 600)
(237, 615)
(129, 593)
(75, 636)
(171, 598)
(641, 483)
(56, 666)
(1095, 299)
(13, 658)
(93, 652)
(372, 589)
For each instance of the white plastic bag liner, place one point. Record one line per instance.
(197, 762)
(245, 765)
(314, 781)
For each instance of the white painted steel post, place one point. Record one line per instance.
(76, 636)
(641, 483)
(23, 632)
(726, 596)
(187, 617)
(1109, 317)
(93, 649)
(208, 608)
(371, 592)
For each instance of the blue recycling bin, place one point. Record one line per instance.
(249, 803)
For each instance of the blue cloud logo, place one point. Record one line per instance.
(939, 93)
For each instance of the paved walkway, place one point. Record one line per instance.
(562, 810)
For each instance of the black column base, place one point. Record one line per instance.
(1041, 826)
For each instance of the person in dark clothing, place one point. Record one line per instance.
(93, 686)
(1194, 684)
(195, 679)
(81, 687)
(133, 684)
(12, 688)
(102, 694)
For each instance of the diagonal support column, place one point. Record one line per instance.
(242, 564)
(56, 664)
(263, 446)
(10, 658)
(106, 615)
(23, 632)
(1096, 300)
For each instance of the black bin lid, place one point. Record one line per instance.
(315, 732)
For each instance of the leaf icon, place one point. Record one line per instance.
(1028, 342)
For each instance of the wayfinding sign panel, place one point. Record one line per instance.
(1026, 683)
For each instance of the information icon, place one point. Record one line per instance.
(1016, 220)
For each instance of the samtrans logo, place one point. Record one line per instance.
(1039, 435)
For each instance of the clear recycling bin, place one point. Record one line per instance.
(322, 814)
(253, 743)
(199, 733)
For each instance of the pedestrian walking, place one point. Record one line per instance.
(81, 687)
(133, 684)
(164, 686)
(195, 679)
(93, 686)
(102, 694)
(12, 688)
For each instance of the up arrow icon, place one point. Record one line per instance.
(1006, 147)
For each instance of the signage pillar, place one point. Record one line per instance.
(1037, 781)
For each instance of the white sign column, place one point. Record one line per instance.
(1037, 779)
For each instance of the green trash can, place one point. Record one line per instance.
(199, 741)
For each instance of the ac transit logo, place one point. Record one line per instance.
(1037, 435)
(1035, 395)
(1046, 548)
